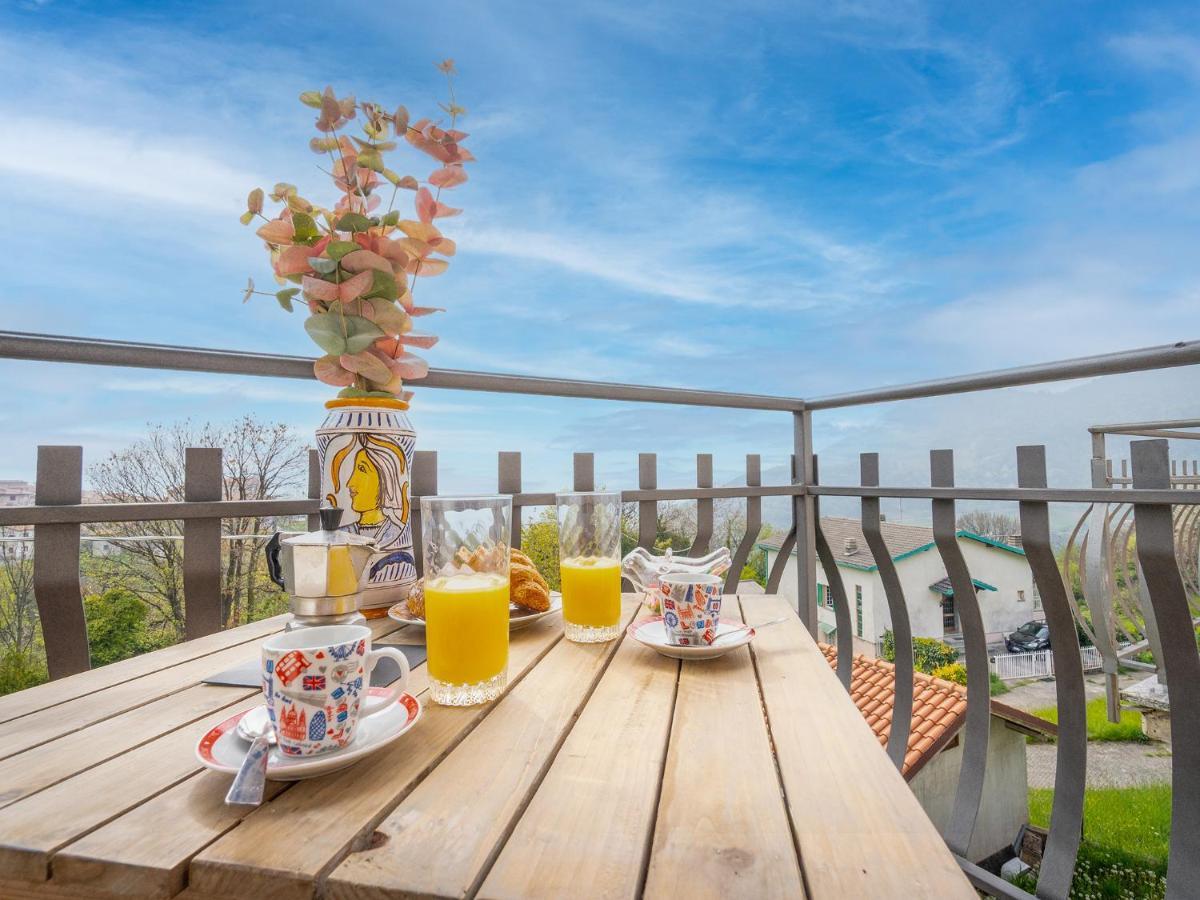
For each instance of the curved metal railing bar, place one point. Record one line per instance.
(1066, 819)
(872, 525)
(836, 588)
(975, 740)
(704, 506)
(1156, 551)
(753, 525)
(786, 546)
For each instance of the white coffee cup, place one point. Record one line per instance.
(315, 681)
(691, 607)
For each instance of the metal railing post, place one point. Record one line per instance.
(804, 522)
(56, 563)
(202, 480)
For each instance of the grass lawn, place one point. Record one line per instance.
(1098, 726)
(1126, 832)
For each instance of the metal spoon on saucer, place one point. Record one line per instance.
(251, 780)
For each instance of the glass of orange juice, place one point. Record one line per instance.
(465, 543)
(589, 565)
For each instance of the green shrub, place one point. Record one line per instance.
(20, 670)
(928, 653)
(998, 686)
(955, 672)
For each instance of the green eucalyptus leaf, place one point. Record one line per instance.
(326, 331)
(348, 392)
(338, 249)
(323, 265)
(285, 297)
(353, 222)
(306, 228)
(392, 218)
(382, 285)
(371, 159)
(246, 218)
(311, 98)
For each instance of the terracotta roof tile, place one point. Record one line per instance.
(939, 707)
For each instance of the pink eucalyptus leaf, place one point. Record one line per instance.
(366, 364)
(421, 231)
(448, 176)
(418, 339)
(444, 246)
(318, 289)
(361, 260)
(355, 287)
(294, 260)
(278, 231)
(415, 311)
(429, 209)
(407, 365)
(415, 248)
(329, 370)
(427, 268)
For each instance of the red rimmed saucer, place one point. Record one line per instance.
(653, 633)
(222, 750)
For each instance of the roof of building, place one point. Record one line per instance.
(849, 545)
(939, 708)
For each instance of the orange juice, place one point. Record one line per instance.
(466, 627)
(591, 591)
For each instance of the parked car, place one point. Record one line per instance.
(1029, 637)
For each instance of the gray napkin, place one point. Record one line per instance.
(249, 673)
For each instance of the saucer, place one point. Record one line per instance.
(653, 634)
(223, 748)
(518, 617)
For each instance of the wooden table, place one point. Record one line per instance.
(604, 771)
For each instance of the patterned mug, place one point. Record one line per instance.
(316, 680)
(691, 608)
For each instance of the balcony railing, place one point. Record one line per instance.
(58, 514)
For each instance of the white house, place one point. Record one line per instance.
(1002, 577)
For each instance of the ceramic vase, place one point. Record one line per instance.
(365, 448)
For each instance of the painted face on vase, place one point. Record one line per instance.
(365, 490)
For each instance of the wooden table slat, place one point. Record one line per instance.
(42, 696)
(860, 830)
(722, 828)
(85, 779)
(263, 859)
(589, 823)
(458, 818)
(40, 727)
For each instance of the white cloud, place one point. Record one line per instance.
(124, 164)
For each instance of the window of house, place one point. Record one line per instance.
(858, 610)
(1037, 597)
(1020, 596)
(822, 592)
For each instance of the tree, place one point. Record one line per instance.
(995, 525)
(22, 654)
(539, 541)
(117, 626)
(261, 461)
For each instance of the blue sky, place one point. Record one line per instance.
(773, 197)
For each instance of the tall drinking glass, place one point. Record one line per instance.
(589, 563)
(466, 541)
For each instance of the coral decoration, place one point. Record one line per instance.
(356, 265)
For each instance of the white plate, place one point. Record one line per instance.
(518, 617)
(223, 749)
(653, 634)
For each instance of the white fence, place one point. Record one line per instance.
(1040, 664)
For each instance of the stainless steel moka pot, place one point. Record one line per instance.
(322, 571)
